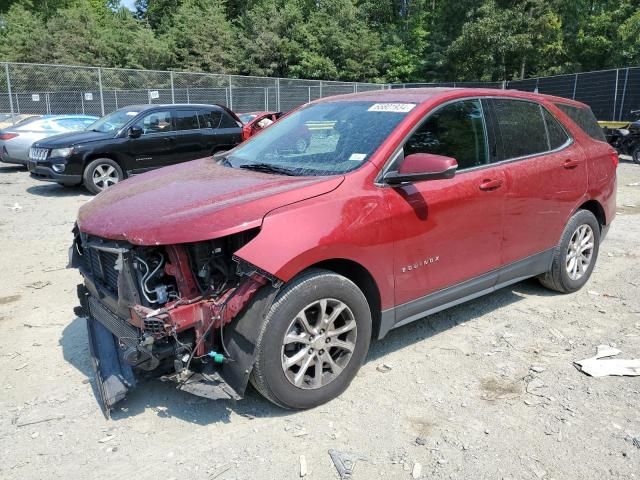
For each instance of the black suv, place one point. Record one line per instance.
(133, 140)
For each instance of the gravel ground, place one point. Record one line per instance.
(486, 390)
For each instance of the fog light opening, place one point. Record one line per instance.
(58, 167)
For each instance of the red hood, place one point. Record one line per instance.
(193, 201)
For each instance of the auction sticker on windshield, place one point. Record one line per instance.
(391, 107)
(357, 157)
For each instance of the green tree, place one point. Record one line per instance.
(201, 38)
(21, 35)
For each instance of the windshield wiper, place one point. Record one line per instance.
(268, 168)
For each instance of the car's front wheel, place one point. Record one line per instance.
(636, 155)
(314, 339)
(100, 174)
(575, 256)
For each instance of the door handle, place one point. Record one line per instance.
(570, 164)
(490, 184)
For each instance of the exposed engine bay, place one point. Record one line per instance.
(164, 311)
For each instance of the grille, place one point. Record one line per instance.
(103, 267)
(38, 154)
(126, 333)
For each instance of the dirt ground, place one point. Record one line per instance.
(486, 390)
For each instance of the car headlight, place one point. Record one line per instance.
(61, 152)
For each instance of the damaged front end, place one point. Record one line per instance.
(188, 313)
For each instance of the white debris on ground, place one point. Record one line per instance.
(597, 367)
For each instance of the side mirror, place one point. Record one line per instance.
(422, 166)
(135, 132)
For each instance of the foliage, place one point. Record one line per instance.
(375, 40)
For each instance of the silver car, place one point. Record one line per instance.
(15, 141)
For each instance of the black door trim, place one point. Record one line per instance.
(465, 291)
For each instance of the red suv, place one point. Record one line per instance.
(277, 267)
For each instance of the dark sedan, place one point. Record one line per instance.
(134, 140)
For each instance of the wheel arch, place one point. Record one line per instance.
(95, 156)
(597, 209)
(363, 279)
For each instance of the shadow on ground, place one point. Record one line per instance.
(55, 190)
(166, 401)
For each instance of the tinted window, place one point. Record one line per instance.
(156, 122)
(585, 119)
(457, 131)
(557, 135)
(228, 122)
(186, 119)
(209, 119)
(520, 129)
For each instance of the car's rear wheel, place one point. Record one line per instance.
(575, 256)
(101, 174)
(314, 339)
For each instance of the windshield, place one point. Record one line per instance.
(114, 121)
(321, 139)
(246, 117)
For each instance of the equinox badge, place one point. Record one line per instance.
(423, 263)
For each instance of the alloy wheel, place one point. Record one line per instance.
(580, 252)
(319, 343)
(104, 176)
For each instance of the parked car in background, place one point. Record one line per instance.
(277, 268)
(9, 120)
(15, 141)
(256, 121)
(132, 140)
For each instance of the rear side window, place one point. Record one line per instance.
(520, 129)
(209, 119)
(557, 136)
(228, 122)
(186, 120)
(585, 119)
(457, 131)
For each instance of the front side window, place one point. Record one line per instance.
(156, 122)
(520, 128)
(186, 119)
(456, 130)
(321, 139)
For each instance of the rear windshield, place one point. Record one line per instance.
(585, 119)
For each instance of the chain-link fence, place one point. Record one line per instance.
(611, 94)
(60, 89)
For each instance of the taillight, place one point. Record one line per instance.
(614, 158)
(8, 136)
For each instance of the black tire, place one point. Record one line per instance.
(268, 375)
(558, 278)
(635, 155)
(92, 170)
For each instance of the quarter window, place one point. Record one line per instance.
(186, 120)
(228, 122)
(520, 129)
(456, 130)
(209, 119)
(585, 119)
(557, 136)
